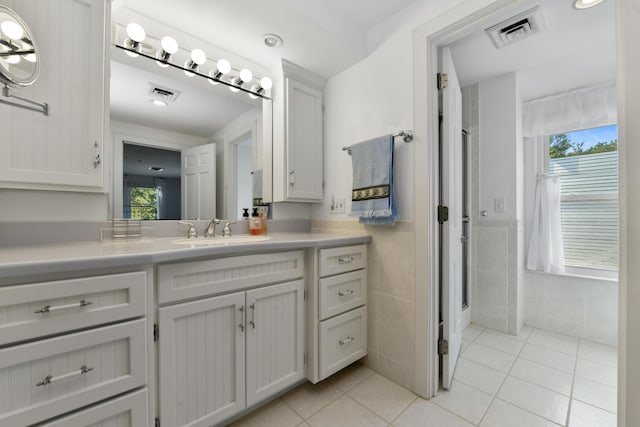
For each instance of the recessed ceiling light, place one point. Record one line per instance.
(156, 168)
(272, 40)
(585, 4)
(159, 103)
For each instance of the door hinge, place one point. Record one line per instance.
(157, 424)
(304, 357)
(443, 214)
(443, 81)
(305, 294)
(156, 333)
(443, 347)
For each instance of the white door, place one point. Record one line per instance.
(451, 181)
(199, 182)
(201, 356)
(275, 340)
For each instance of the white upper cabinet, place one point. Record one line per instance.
(62, 151)
(298, 137)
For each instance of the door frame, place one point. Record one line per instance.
(427, 39)
(231, 142)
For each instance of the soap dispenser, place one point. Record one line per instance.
(255, 226)
(245, 214)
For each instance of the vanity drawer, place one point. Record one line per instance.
(127, 411)
(342, 293)
(343, 340)
(51, 377)
(340, 260)
(39, 309)
(193, 279)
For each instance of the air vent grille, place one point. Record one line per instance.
(163, 93)
(517, 27)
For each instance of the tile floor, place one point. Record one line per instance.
(537, 379)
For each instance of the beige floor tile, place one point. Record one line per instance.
(540, 401)
(489, 357)
(556, 342)
(303, 424)
(596, 394)
(597, 372)
(382, 396)
(350, 377)
(309, 398)
(542, 375)
(547, 357)
(500, 341)
(503, 414)
(598, 353)
(472, 332)
(464, 401)
(346, 412)
(479, 376)
(274, 414)
(524, 334)
(583, 415)
(422, 413)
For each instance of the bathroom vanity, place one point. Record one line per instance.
(157, 331)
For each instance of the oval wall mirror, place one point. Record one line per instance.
(19, 59)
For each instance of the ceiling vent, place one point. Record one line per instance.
(517, 27)
(163, 93)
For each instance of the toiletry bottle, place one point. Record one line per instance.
(245, 214)
(263, 222)
(255, 227)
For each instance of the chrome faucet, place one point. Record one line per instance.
(211, 228)
(192, 232)
(226, 231)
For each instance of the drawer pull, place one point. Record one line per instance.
(345, 259)
(253, 315)
(241, 325)
(49, 379)
(346, 292)
(347, 340)
(50, 309)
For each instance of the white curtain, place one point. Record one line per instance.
(569, 111)
(546, 252)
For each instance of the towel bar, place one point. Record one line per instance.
(407, 136)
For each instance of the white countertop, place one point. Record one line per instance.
(40, 259)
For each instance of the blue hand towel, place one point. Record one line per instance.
(372, 198)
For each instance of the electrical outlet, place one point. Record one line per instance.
(338, 206)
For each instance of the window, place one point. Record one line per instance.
(143, 203)
(587, 162)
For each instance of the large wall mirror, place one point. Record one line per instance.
(162, 120)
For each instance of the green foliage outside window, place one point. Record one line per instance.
(144, 203)
(561, 145)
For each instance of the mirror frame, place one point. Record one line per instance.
(5, 75)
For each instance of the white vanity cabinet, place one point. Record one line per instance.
(298, 136)
(62, 151)
(337, 331)
(227, 350)
(69, 343)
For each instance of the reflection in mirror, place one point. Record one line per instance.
(18, 52)
(160, 108)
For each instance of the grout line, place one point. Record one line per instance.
(573, 383)
(404, 410)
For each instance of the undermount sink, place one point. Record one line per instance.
(220, 241)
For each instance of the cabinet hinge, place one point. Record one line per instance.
(443, 214)
(157, 424)
(156, 333)
(443, 346)
(443, 81)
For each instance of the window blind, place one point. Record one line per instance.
(589, 209)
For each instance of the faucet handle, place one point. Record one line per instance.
(226, 231)
(211, 228)
(192, 232)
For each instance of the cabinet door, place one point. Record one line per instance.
(59, 151)
(201, 357)
(303, 142)
(275, 340)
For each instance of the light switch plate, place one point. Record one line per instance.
(499, 204)
(338, 206)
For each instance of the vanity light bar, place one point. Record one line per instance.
(238, 83)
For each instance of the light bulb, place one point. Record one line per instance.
(135, 32)
(234, 89)
(12, 29)
(13, 59)
(585, 4)
(246, 75)
(198, 56)
(159, 103)
(169, 45)
(31, 57)
(266, 83)
(223, 66)
(256, 89)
